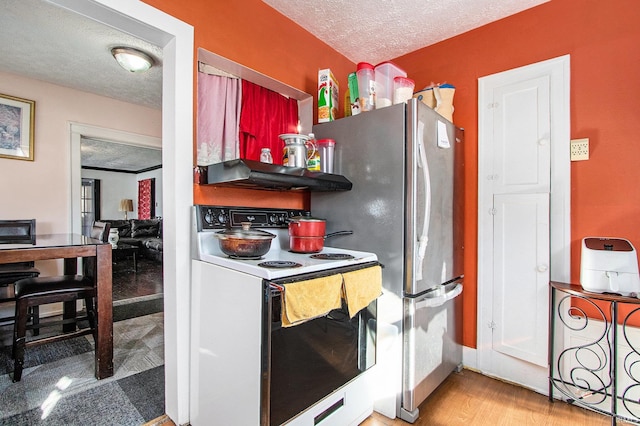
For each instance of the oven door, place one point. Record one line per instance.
(309, 361)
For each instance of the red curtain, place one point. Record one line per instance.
(265, 114)
(146, 199)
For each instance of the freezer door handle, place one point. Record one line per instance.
(423, 239)
(439, 300)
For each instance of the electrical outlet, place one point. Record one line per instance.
(579, 149)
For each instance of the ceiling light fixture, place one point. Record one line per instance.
(132, 59)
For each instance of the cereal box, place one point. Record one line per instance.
(327, 96)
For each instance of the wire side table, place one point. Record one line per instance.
(584, 368)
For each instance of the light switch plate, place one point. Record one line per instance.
(579, 149)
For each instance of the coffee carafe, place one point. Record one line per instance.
(297, 149)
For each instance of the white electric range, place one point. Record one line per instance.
(211, 219)
(248, 369)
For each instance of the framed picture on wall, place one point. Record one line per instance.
(17, 118)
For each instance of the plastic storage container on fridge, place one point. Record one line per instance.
(366, 86)
(402, 89)
(326, 149)
(384, 75)
(609, 265)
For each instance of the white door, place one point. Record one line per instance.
(523, 216)
(520, 320)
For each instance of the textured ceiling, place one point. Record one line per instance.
(102, 154)
(379, 30)
(44, 42)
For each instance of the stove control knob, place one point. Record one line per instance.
(208, 217)
(222, 219)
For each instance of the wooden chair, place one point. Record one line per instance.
(30, 293)
(17, 232)
(33, 292)
(100, 231)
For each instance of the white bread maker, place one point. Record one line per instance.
(609, 265)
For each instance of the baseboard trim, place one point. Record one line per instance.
(138, 299)
(470, 358)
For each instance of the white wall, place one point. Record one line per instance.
(41, 189)
(115, 186)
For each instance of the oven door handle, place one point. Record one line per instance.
(276, 287)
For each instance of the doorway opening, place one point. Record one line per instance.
(176, 39)
(89, 204)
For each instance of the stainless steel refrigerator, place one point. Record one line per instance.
(406, 205)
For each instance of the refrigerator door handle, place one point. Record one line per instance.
(439, 300)
(424, 237)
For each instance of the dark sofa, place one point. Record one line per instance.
(146, 234)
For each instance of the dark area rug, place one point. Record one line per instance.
(44, 354)
(146, 392)
(134, 400)
(128, 398)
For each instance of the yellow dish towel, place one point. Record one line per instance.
(362, 287)
(305, 300)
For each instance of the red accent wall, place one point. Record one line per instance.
(602, 37)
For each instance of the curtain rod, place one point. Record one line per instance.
(208, 69)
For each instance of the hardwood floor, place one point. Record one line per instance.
(466, 398)
(128, 284)
(469, 398)
(160, 421)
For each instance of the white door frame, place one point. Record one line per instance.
(77, 132)
(560, 197)
(176, 38)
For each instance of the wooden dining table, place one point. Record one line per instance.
(70, 247)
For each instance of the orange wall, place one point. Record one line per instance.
(602, 39)
(253, 34)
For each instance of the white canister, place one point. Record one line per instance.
(402, 89)
(113, 237)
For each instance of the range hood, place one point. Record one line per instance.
(256, 175)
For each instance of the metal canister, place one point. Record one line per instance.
(294, 153)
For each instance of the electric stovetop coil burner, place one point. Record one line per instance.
(332, 256)
(231, 256)
(279, 264)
